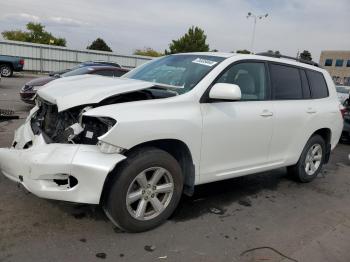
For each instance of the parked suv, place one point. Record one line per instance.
(134, 144)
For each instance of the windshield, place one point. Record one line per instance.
(343, 89)
(183, 71)
(79, 71)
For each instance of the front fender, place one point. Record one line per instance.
(144, 121)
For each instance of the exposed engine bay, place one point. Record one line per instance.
(70, 126)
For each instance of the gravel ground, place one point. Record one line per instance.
(223, 221)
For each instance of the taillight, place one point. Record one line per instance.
(21, 61)
(343, 111)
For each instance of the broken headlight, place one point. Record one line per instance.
(94, 127)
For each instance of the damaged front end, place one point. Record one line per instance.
(57, 155)
(69, 126)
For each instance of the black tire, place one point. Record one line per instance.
(6, 70)
(298, 170)
(116, 207)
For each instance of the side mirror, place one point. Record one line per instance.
(225, 91)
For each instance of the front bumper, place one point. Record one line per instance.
(39, 167)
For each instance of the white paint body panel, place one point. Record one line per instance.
(225, 139)
(234, 130)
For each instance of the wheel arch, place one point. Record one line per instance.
(7, 63)
(326, 134)
(177, 148)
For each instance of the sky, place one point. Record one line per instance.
(291, 25)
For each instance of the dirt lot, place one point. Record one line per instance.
(223, 221)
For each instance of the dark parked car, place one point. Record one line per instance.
(9, 64)
(346, 112)
(87, 63)
(29, 90)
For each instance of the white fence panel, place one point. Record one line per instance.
(46, 58)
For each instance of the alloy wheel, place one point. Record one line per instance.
(149, 193)
(313, 159)
(5, 71)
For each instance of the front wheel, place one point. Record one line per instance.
(6, 70)
(145, 191)
(311, 160)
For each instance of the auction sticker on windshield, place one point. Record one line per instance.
(204, 62)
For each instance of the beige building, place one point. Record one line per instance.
(337, 63)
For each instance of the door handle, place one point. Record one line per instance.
(266, 113)
(311, 110)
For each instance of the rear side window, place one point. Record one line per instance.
(286, 82)
(318, 84)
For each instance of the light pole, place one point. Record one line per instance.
(255, 17)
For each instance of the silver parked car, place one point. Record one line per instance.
(343, 93)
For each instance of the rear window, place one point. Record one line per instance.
(286, 82)
(318, 84)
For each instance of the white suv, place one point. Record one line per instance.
(135, 144)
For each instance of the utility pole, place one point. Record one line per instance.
(255, 17)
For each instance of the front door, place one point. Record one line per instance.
(237, 134)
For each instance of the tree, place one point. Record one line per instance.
(35, 34)
(147, 51)
(193, 41)
(244, 51)
(99, 44)
(305, 55)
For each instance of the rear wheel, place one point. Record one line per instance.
(6, 70)
(311, 160)
(146, 190)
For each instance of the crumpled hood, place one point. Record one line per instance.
(79, 90)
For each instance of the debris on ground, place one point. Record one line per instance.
(341, 164)
(216, 211)
(6, 114)
(101, 255)
(150, 248)
(163, 257)
(270, 248)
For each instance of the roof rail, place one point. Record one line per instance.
(269, 54)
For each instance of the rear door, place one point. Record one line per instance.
(293, 111)
(325, 108)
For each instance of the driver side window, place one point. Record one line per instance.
(250, 77)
